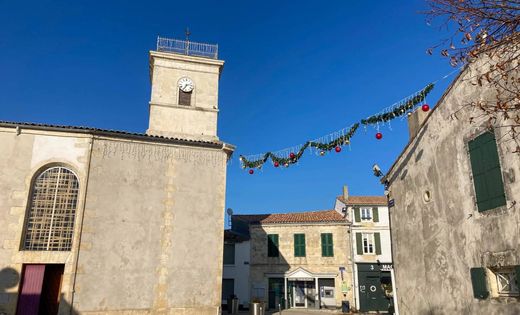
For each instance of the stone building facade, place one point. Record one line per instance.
(455, 223)
(104, 222)
(299, 260)
(371, 250)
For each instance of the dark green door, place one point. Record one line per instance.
(276, 292)
(376, 299)
(371, 293)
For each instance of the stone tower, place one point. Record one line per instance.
(184, 97)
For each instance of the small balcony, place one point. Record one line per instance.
(186, 47)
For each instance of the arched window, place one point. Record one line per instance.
(50, 218)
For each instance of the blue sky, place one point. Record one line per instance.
(294, 71)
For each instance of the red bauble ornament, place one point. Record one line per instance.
(292, 155)
(276, 164)
(251, 172)
(379, 136)
(425, 107)
(338, 149)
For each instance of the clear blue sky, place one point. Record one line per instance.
(294, 71)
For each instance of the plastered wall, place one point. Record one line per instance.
(437, 241)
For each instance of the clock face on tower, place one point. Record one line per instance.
(186, 85)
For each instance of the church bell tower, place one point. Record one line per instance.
(184, 97)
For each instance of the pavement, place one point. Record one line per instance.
(296, 312)
(301, 312)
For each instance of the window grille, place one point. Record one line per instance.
(50, 219)
(507, 284)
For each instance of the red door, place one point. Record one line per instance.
(30, 293)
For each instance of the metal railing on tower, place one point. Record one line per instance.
(187, 47)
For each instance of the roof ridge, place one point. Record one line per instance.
(110, 132)
(276, 213)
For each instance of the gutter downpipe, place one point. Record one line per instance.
(352, 258)
(76, 262)
(392, 272)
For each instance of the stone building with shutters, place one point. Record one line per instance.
(371, 250)
(455, 223)
(102, 222)
(298, 260)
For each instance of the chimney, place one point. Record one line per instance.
(415, 121)
(345, 192)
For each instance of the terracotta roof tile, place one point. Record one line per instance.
(364, 200)
(294, 217)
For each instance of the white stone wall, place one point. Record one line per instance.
(149, 218)
(240, 272)
(23, 156)
(167, 117)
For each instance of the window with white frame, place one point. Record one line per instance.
(507, 284)
(368, 243)
(366, 214)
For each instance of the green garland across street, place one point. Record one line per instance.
(336, 144)
(400, 110)
(286, 161)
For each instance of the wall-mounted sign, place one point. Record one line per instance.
(374, 267)
(344, 287)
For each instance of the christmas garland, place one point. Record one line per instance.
(294, 157)
(400, 110)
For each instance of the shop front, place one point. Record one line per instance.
(375, 287)
(301, 289)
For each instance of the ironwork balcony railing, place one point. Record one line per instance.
(187, 47)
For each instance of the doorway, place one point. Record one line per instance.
(372, 295)
(40, 289)
(276, 293)
(299, 294)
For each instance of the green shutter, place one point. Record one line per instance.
(357, 215)
(327, 247)
(479, 282)
(487, 175)
(375, 214)
(517, 269)
(323, 244)
(229, 254)
(299, 245)
(377, 240)
(359, 244)
(272, 245)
